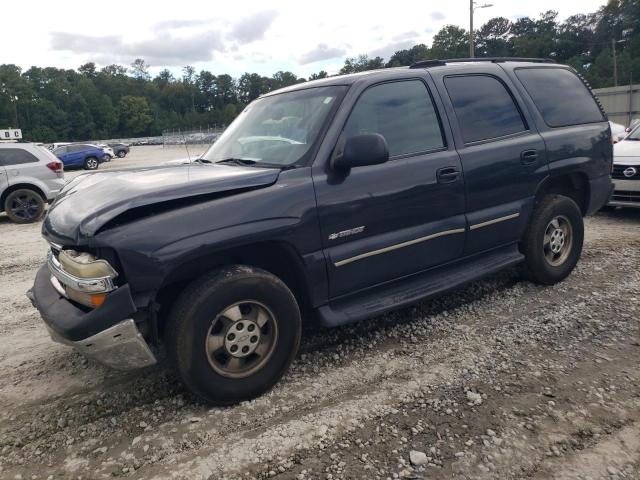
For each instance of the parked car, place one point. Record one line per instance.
(626, 171)
(334, 200)
(618, 132)
(86, 156)
(29, 176)
(108, 152)
(120, 149)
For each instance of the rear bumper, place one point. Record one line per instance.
(601, 189)
(108, 333)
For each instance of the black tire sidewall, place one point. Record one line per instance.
(539, 269)
(187, 347)
(22, 191)
(121, 154)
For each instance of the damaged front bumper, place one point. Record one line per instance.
(121, 347)
(107, 334)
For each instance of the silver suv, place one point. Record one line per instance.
(30, 175)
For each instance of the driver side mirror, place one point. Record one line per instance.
(361, 150)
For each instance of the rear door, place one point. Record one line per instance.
(382, 222)
(17, 162)
(503, 155)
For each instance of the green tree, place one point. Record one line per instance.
(134, 114)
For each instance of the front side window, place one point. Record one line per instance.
(402, 112)
(16, 156)
(484, 107)
(277, 130)
(560, 96)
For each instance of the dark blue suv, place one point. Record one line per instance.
(84, 156)
(333, 201)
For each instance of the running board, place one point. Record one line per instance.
(412, 289)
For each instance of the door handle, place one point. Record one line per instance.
(447, 174)
(528, 157)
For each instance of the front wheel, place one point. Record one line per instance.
(121, 154)
(91, 163)
(553, 241)
(233, 333)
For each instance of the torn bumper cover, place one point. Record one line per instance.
(107, 334)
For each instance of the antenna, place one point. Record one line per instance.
(186, 146)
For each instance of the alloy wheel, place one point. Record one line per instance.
(241, 339)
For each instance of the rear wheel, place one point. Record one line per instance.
(24, 206)
(233, 333)
(91, 163)
(553, 242)
(121, 154)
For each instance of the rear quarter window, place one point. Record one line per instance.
(560, 96)
(16, 156)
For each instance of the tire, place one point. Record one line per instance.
(553, 241)
(211, 311)
(24, 206)
(108, 158)
(121, 154)
(91, 163)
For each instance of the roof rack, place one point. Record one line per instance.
(440, 63)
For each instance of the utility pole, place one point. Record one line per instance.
(615, 62)
(472, 8)
(471, 50)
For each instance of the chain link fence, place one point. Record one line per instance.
(201, 136)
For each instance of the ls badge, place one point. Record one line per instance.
(346, 233)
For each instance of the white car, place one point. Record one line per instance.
(108, 152)
(618, 132)
(626, 171)
(30, 176)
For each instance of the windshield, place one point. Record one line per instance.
(635, 134)
(277, 130)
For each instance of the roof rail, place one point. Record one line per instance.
(440, 63)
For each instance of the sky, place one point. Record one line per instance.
(238, 36)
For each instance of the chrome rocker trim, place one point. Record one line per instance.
(397, 246)
(121, 346)
(494, 220)
(86, 285)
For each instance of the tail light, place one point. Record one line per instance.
(57, 168)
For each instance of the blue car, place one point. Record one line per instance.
(80, 155)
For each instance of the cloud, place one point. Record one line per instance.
(437, 16)
(253, 28)
(163, 50)
(321, 52)
(405, 36)
(388, 50)
(177, 23)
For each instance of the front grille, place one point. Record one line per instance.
(618, 172)
(626, 196)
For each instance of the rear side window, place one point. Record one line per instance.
(76, 148)
(16, 156)
(402, 112)
(560, 96)
(484, 107)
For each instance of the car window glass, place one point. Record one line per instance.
(402, 112)
(16, 156)
(560, 96)
(484, 107)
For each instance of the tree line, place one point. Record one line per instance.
(53, 104)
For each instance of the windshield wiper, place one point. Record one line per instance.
(238, 161)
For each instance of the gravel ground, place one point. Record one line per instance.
(502, 379)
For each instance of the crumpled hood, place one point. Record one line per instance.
(89, 201)
(627, 148)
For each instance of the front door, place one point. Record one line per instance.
(503, 155)
(383, 222)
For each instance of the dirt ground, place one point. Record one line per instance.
(502, 379)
